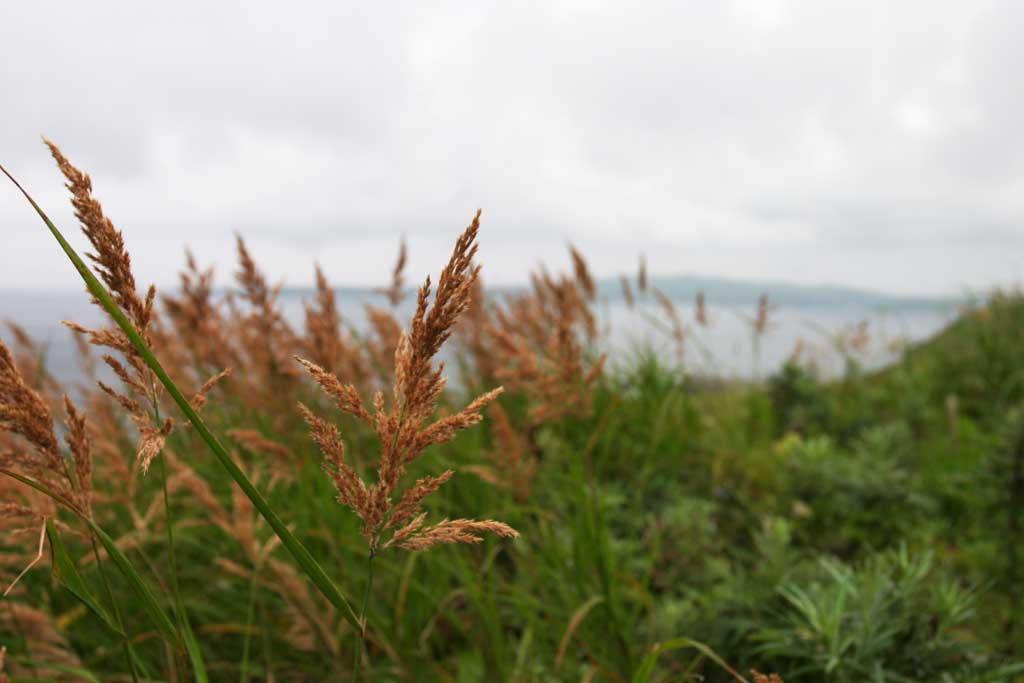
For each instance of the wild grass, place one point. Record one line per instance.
(255, 501)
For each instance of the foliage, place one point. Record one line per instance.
(861, 528)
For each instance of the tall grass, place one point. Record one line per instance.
(655, 526)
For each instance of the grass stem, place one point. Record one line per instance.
(364, 610)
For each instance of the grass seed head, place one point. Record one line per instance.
(401, 427)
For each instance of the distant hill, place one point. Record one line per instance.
(728, 291)
(725, 291)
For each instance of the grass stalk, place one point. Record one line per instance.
(116, 608)
(364, 610)
(198, 667)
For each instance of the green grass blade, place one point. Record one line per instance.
(139, 587)
(195, 655)
(306, 562)
(65, 572)
(153, 609)
(646, 668)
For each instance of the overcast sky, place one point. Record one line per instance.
(875, 144)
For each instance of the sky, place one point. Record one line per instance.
(871, 144)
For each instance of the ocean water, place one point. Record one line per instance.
(725, 347)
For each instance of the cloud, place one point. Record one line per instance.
(822, 141)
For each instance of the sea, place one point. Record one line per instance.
(725, 347)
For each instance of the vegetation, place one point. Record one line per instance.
(656, 525)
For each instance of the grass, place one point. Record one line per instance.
(670, 526)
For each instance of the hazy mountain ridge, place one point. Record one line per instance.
(727, 291)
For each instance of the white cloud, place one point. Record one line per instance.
(848, 142)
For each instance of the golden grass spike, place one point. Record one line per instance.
(199, 399)
(536, 341)
(323, 326)
(345, 396)
(454, 531)
(23, 411)
(678, 331)
(199, 324)
(582, 272)
(700, 310)
(761, 318)
(395, 292)
(627, 291)
(77, 438)
(257, 443)
(254, 285)
(111, 256)
(403, 438)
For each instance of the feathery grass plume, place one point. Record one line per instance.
(25, 414)
(311, 623)
(677, 330)
(808, 355)
(240, 523)
(111, 442)
(113, 263)
(310, 620)
(627, 291)
(641, 274)
(50, 655)
(382, 343)
(513, 465)
(854, 340)
(797, 352)
(257, 443)
(77, 439)
(325, 342)
(758, 326)
(256, 291)
(761, 322)
(537, 336)
(700, 310)
(478, 363)
(582, 273)
(30, 358)
(266, 335)
(196, 319)
(400, 428)
(395, 292)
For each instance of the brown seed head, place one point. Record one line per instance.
(582, 272)
(627, 291)
(449, 531)
(761, 319)
(24, 412)
(701, 313)
(416, 390)
(395, 293)
(113, 264)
